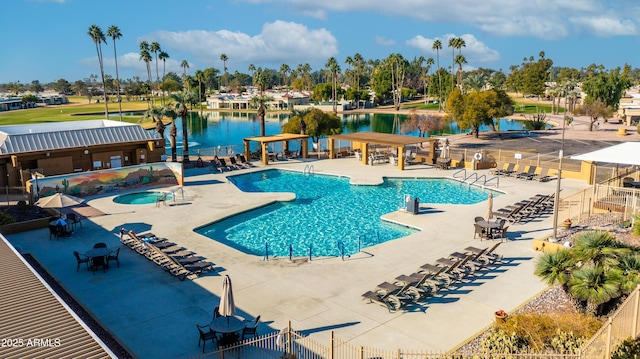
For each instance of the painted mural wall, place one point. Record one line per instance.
(110, 181)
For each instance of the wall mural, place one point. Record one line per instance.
(110, 181)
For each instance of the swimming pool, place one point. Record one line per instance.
(148, 197)
(327, 213)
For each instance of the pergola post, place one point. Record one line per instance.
(304, 151)
(247, 149)
(364, 148)
(265, 153)
(401, 151)
(332, 152)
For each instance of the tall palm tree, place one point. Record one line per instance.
(163, 55)
(252, 69)
(332, 65)
(306, 70)
(224, 59)
(455, 43)
(145, 56)
(437, 46)
(182, 99)
(284, 70)
(260, 102)
(199, 75)
(460, 60)
(96, 34)
(429, 63)
(185, 65)
(155, 48)
(114, 33)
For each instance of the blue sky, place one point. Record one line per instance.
(47, 39)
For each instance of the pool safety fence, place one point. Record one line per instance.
(290, 344)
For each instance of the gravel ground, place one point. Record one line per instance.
(555, 299)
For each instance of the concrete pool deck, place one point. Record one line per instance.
(153, 313)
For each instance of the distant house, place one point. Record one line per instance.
(282, 100)
(14, 103)
(75, 146)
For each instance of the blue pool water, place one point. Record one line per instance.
(327, 211)
(149, 197)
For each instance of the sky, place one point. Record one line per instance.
(47, 40)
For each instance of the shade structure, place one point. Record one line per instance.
(58, 200)
(227, 305)
(490, 207)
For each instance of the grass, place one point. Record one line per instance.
(532, 108)
(71, 111)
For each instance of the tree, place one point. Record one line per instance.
(594, 110)
(595, 286)
(155, 48)
(224, 59)
(460, 60)
(163, 55)
(185, 65)
(199, 75)
(284, 70)
(332, 65)
(456, 43)
(96, 34)
(422, 123)
(145, 56)
(555, 268)
(607, 87)
(318, 124)
(36, 87)
(114, 33)
(437, 46)
(535, 76)
(425, 79)
(62, 86)
(182, 99)
(259, 102)
(472, 110)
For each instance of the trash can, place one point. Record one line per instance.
(413, 205)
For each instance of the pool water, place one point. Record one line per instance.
(328, 212)
(149, 197)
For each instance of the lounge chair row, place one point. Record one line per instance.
(235, 163)
(175, 259)
(530, 174)
(431, 278)
(526, 210)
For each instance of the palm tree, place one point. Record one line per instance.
(429, 63)
(163, 56)
(145, 56)
(456, 43)
(437, 46)
(199, 75)
(155, 48)
(96, 34)
(595, 286)
(182, 99)
(252, 69)
(460, 60)
(224, 58)
(260, 102)
(555, 268)
(114, 33)
(284, 70)
(599, 248)
(630, 269)
(306, 71)
(333, 66)
(185, 65)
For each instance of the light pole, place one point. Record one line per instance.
(556, 198)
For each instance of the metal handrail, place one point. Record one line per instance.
(464, 175)
(491, 179)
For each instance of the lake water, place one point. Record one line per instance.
(227, 129)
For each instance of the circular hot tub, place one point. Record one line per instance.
(148, 197)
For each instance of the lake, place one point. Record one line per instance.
(227, 129)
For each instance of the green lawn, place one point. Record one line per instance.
(71, 112)
(530, 108)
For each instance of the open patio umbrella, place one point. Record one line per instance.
(58, 200)
(227, 305)
(490, 207)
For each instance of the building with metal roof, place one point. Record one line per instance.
(64, 147)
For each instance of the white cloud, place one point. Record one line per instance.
(279, 41)
(474, 51)
(384, 41)
(547, 19)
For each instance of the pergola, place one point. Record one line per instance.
(283, 137)
(362, 140)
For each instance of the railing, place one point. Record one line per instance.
(478, 180)
(308, 170)
(464, 174)
(491, 179)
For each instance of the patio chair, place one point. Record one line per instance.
(426, 283)
(506, 171)
(97, 262)
(383, 298)
(206, 334)
(527, 174)
(244, 161)
(74, 219)
(81, 259)
(113, 256)
(251, 328)
(224, 164)
(478, 219)
(235, 164)
(480, 231)
(216, 313)
(54, 231)
(544, 176)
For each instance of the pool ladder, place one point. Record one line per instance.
(308, 170)
(474, 176)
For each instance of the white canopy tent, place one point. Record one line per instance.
(627, 153)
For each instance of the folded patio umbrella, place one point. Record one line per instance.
(490, 207)
(227, 305)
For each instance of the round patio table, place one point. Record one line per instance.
(226, 325)
(489, 225)
(98, 252)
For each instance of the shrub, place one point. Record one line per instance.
(499, 341)
(567, 342)
(544, 331)
(628, 349)
(22, 206)
(6, 218)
